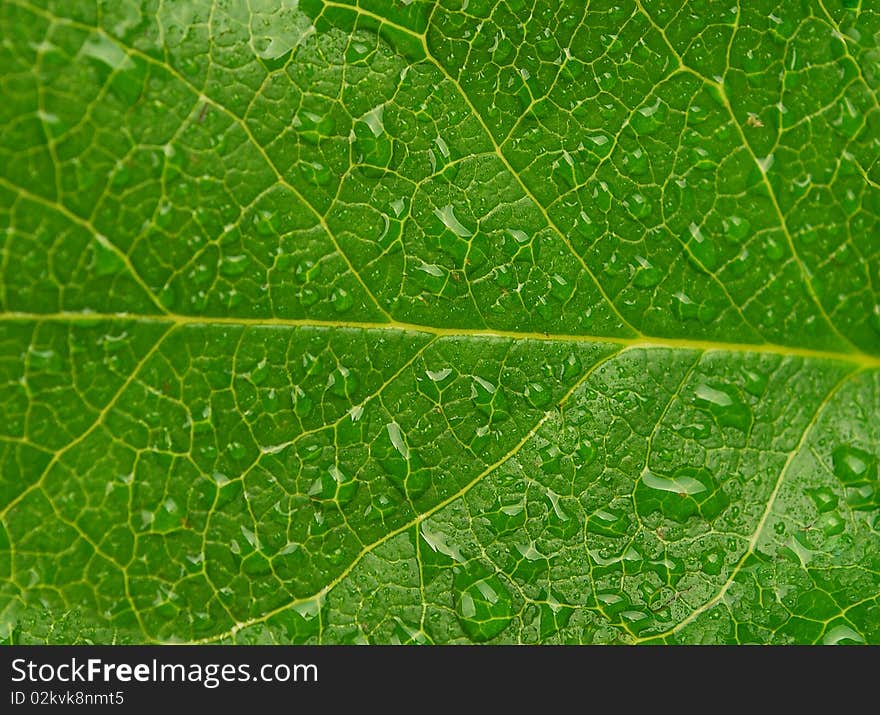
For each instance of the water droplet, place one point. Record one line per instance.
(260, 372)
(482, 390)
(587, 452)
(105, 260)
(538, 395)
(774, 249)
(649, 118)
(302, 403)
(712, 562)
(635, 163)
(341, 300)
(522, 237)
(823, 498)
(736, 228)
(447, 216)
(854, 466)
(779, 528)
(439, 375)
(687, 492)
(842, 634)
(608, 522)
(864, 497)
(342, 382)
(755, 382)
(701, 250)
(237, 450)
(333, 485)
(372, 144)
(849, 119)
(315, 173)
(397, 439)
(265, 223)
(646, 274)
(875, 317)
(725, 405)
(482, 603)
(831, 523)
(168, 296)
(231, 266)
(638, 205)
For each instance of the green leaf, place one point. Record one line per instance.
(416, 322)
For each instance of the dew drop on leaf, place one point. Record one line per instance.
(482, 603)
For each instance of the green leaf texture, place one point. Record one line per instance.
(395, 321)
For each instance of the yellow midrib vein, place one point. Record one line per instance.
(863, 360)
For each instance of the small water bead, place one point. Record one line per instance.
(482, 603)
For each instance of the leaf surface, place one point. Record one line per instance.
(415, 322)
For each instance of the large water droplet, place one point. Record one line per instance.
(447, 216)
(538, 395)
(823, 498)
(725, 404)
(736, 228)
(687, 492)
(342, 300)
(482, 603)
(646, 274)
(231, 266)
(702, 250)
(372, 144)
(854, 466)
(397, 439)
(638, 205)
(265, 223)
